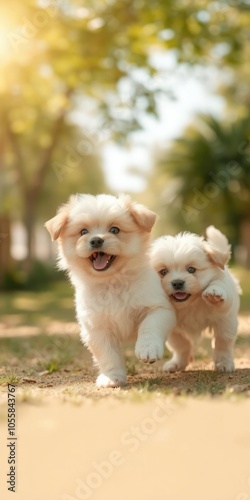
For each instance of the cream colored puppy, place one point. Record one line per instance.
(103, 244)
(203, 292)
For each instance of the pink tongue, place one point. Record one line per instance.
(180, 295)
(100, 261)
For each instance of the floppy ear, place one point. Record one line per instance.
(56, 224)
(216, 256)
(217, 247)
(144, 217)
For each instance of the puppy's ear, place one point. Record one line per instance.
(217, 247)
(57, 223)
(144, 217)
(216, 256)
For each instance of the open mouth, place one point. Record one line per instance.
(101, 261)
(180, 296)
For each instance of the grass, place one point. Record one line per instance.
(9, 378)
(38, 308)
(31, 355)
(41, 351)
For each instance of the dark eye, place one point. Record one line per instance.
(191, 270)
(163, 272)
(84, 231)
(114, 230)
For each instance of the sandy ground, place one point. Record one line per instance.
(183, 436)
(109, 449)
(29, 355)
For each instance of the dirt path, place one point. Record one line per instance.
(163, 436)
(105, 450)
(54, 364)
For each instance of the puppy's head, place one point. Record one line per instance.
(187, 263)
(100, 234)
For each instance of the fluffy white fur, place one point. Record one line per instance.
(118, 295)
(203, 292)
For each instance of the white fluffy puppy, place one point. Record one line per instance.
(203, 292)
(103, 243)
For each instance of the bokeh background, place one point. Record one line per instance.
(106, 96)
(146, 97)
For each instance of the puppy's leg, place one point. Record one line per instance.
(225, 332)
(107, 355)
(152, 334)
(181, 348)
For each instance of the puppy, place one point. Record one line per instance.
(203, 292)
(103, 244)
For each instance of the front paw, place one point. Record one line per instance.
(225, 365)
(149, 351)
(111, 380)
(214, 295)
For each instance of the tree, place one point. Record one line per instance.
(57, 55)
(207, 179)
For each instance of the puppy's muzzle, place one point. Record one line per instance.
(96, 242)
(179, 295)
(100, 260)
(178, 284)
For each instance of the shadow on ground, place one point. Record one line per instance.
(60, 365)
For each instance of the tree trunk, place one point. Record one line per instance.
(29, 221)
(30, 211)
(5, 242)
(30, 191)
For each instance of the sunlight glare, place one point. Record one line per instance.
(6, 50)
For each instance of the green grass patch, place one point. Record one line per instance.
(28, 356)
(33, 308)
(9, 378)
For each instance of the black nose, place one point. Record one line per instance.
(96, 242)
(178, 284)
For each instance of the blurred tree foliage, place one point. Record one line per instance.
(204, 178)
(55, 54)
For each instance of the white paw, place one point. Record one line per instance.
(214, 295)
(225, 365)
(111, 380)
(174, 365)
(149, 351)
